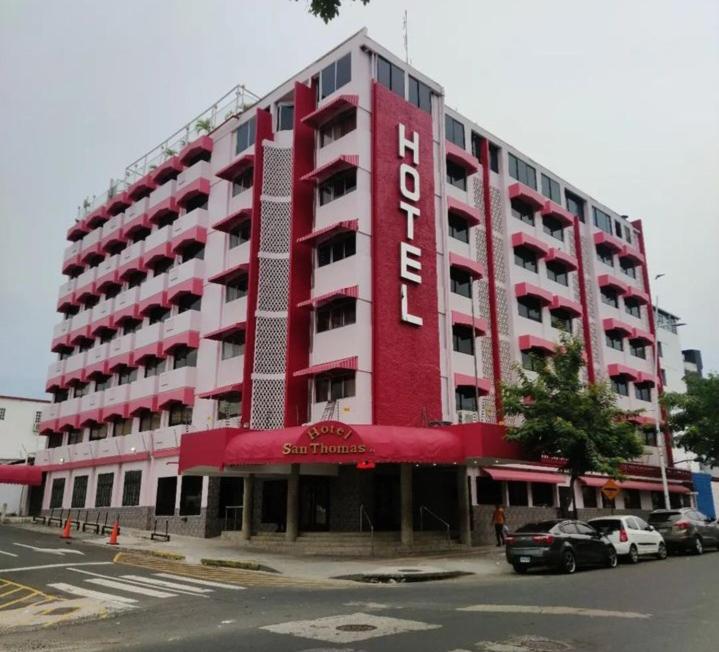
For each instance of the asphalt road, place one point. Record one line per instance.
(656, 605)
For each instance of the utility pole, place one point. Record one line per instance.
(406, 40)
(658, 427)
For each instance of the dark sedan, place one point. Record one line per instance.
(562, 544)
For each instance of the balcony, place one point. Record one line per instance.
(107, 273)
(167, 171)
(85, 284)
(182, 329)
(143, 394)
(97, 218)
(102, 316)
(162, 201)
(187, 278)
(77, 231)
(233, 313)
(240, 202)
(527, 195)
(166, 439)
(68, 414)
(48, 419)
(130, 259)
(118, 203)
(120, 351)
(66, 295)
(71, 258)
(201, 146)
(136, 217)
(96, 361)
(55, 375)
(91, 408)
(157, 245)
(141, 188)
(153, 292)
(190, 227)
(177, 386)
(80, 326)
(75, 368)
(116, 401)
(148, 342)
(60, 335)
(126, 305)
(90, 246)
(192, 182)
(111, 232)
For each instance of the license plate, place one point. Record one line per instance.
(525, 560)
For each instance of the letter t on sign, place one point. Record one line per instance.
(406, 144)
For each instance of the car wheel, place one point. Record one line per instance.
(633, 556)
(522, 570)
(662, 551)
(569, 562)
(611, 558)
(698, 547)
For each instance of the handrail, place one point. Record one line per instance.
(423, 509)
(363, 515)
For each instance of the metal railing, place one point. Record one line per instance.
(364, 516)
(231, 517)
(426, 510)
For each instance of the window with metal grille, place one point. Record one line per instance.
(79, 491)
(165, 496)
(55, 440)
(57, 493)
(131, 488)
(103, 489)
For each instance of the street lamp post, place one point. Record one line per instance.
(658, 428)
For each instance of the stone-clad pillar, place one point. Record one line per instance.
(293, 503)
(247, 489)
(407, 519)
(465, 534)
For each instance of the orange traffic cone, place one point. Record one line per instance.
(66, 530)
(113, 534)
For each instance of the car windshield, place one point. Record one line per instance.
(664, 517)
(541, 526)
(607, 525)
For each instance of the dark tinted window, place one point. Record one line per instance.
(285, 117)
(454, 131)
(583, 528)
(541, 526)
(420, 95)
(568, 528)
(602, 220)
(664, 517)
(456, 175)
(522, 172)
(165, 496)
(245, 136)
(79, 491)
(191, 495)
(550, 188)
(336, 75)
(390, 76)
(458, 228)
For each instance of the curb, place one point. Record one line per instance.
(236, 563)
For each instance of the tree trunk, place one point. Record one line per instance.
(572, 481)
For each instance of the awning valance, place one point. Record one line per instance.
(231, 171)
(219, 392)
(315, 302)
(330, 110)
(334, 365)
(230, 274)
(337, 227)
(341, 163)
(522, 475)
(641, 485)
(20, 474)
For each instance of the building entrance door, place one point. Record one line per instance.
(314, 504)
(386, 502)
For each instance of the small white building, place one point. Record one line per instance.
(19, 441)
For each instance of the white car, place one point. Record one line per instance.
(631, 536)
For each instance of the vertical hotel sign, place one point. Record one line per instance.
(405, 330)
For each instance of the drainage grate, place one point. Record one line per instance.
(359, 627)
(60, 611)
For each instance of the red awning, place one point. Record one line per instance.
(199, 186)
(171, 167)
(226, 224)
(639, 334)
(612, 324)
(527, 195)
(562, 303)
(558, 256)
(555, 210)
(219, 392)
(141, 187)
(201, 145)
(607, 280)
(184, 395)
(615, 369)
(188, 286)
(474, 267)
(521, 239)
(632, 255)
(469, 213)
(461, 157)
(341, 163)
(187, 338)
(230, 172)
(609, 241)
(330, 110)
(221, 333)
(636, 295)
(482, 384)
(349, 292)
(230, 274)
(641, 485)
(20, 474)
(478, 323)
(527, 289)
(337, 227)
(334, 365)
(168, 205)
(521, 475)
(530, 342)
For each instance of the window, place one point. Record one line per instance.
(522, 172)
(618, 229)
(620, 386)
(336, 75)
(521, 211)
(456, 175)
(336, 315)
(98, 431)
(390, 76)
(633, 308)
(135, 278)
(236, 288)
(542, 494)
(610, 297)
(245, 136)
(561, 320)
(243, 181)
(189, 302)
(60, 395)
(2, 414)
(460, 282)
(660, 349)
(165, 497)
(420, 94)
(126, 375)
(489, 492)
(650, 438)
(154, 366)
(191, 495)
(463, 339)
(454, 131)
(131, 488)
(331, 388)
(558, 273)
(458, 228)
(79, 492)
(74, 437)
(526, 259)
(239, 234)
(477, 141)
(229, 406)
(553, 227)
(338, 127)
(184, 356)
(638, 350)
(532, 360)
(614, 340)
(465, 398)
(233, 345)
(285, 117)
(57, 493)
(335, 249)
(628, 268)
(337, 186)
(150, 420)
(122, 427)
(103, 489)
(627, 234)
(518, 494)
(530, 307)
(643, 392)
(663, 376)
(84, 345)
(81, 389)
(192, 251)
(589, 495)
(602, 220)
(180, 415)
(162, 265)
(55, 440)
(158, 314)
(550, 188)
(107, 335)
(606, 255)
(632, 499)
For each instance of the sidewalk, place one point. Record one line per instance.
(482, 560)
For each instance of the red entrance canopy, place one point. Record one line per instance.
(521, 475)
(642, 485)
(20, 474)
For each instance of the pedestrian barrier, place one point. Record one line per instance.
(55, 519)
(92, 526)
(115, 532)
(155, 535)
(108, 528)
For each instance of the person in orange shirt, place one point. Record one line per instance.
(498, 520)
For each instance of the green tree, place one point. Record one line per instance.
(327, 9)
(695, 415)
(561, 416)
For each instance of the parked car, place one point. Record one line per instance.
(631, 536)
(561, 544)
(685, 529)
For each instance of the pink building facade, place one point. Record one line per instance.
(347, 250)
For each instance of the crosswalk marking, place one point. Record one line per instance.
(166, 585)
(88, 593)
(9, 554)
(130, 588)
(193, 580)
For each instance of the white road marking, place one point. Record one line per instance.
(328, 629)
(130, 588)
(88, 593)
(188, 590)
(9, 554)
(552, 611)
(193, 580)
(32, 568)
(166, 585)
(52, 551)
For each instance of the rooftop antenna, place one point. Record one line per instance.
(404, 29)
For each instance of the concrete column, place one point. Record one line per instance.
(407, 518)
(293, 503)
(465, 534)
(247, 492)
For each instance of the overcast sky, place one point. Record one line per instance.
(620, 98)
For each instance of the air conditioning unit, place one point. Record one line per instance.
(467, 416)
